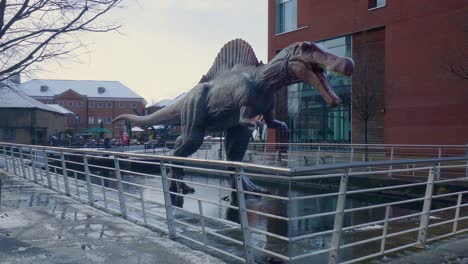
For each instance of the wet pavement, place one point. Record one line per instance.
(38, 225)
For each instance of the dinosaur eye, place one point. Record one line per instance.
(306, 47)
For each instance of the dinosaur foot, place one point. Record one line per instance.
(186, 189)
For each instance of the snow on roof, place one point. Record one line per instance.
(60, 109)
(112, 89)
(168, 102)
(13, 97)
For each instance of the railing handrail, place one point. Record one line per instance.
(361, 164)
(363, 145)
(248, 166)
(220, 163)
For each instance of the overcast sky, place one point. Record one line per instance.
(167, 45)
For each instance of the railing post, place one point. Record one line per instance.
(317, 160)
(123, 208)
(426, 211)
(33, 164)
(167, 202)
(23, 169)
(339, 216)
(143, 212)
(248, 254)
(89, 187)
(388, 210)
(5, 158)
(49, 180)
(65, 174)
(391, 159)
(438, 163)
(457, 213)
(202, 221)
(104, 195)
(13, 162)
(77, 187)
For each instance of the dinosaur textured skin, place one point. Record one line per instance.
(238, 88)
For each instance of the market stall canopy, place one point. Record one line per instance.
(137, 129)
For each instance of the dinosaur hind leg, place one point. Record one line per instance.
(193, 115)
(236, 143)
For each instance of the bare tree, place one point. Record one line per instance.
(365, 104)
(34, 31)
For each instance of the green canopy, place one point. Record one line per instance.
(97, 130)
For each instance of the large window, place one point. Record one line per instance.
(9, 134)
(286, 15)
(91, 120)
(310, 119)
(376, 3)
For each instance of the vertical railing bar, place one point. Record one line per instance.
(13, 161)
(290, 223)
(89, 187)
(167, 202)
(391, 159)
(33, 163)
(123, 208)
(202, 221)
(104, 193)
(5, 159)
(65, 174)
(56, 178)
(49, 180)
(388, 209)
(317, 160)
(143, 211)
(77, 188)
(457, 213)
(339, 216)
(247, 240)
(426, 211)
(438, 163)
(23, 169)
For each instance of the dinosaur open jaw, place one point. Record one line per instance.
(324, 88)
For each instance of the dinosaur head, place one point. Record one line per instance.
(308, 62)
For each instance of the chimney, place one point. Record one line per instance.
(15, 78)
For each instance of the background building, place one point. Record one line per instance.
(405, 53)
(24, 120)
(91, 101)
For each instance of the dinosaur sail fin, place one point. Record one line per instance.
(235, 52)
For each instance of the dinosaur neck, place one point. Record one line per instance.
(275, 75)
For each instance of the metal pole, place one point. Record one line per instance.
(388, 210)
(49, 180)
(339, 216)
(123, 208)
(104, 193)
(33, 162)
(167, 202)
(457, 213)
(56, 178)
(5, 158)
(65, 174)
(202, 221)
(23, 169)
(438, 163)
(247, 240)
(142, 198)
(426, 211)
(89, 187)
(391, 158)
(318, 156)
(13, 161)
(77, 188)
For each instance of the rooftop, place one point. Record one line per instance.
(13, 97)
(90, 88)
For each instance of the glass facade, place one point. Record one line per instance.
(310, 119)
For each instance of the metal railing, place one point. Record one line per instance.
(331, 213)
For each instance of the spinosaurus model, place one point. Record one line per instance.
(236, 89)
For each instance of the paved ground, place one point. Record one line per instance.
(41, 226)
(449, 251)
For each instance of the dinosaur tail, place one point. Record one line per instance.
(169, 115)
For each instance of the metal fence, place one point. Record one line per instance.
(344, 213)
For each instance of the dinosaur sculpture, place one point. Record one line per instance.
(235, 90)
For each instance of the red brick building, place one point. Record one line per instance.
(91, 101)
(403, 50)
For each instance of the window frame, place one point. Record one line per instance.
(376, 6)
(100, 104)
(9, 136)
(70, 104)
(90, 120)
(110, 105)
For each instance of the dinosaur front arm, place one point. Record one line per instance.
(246, 117)
(272, 122)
